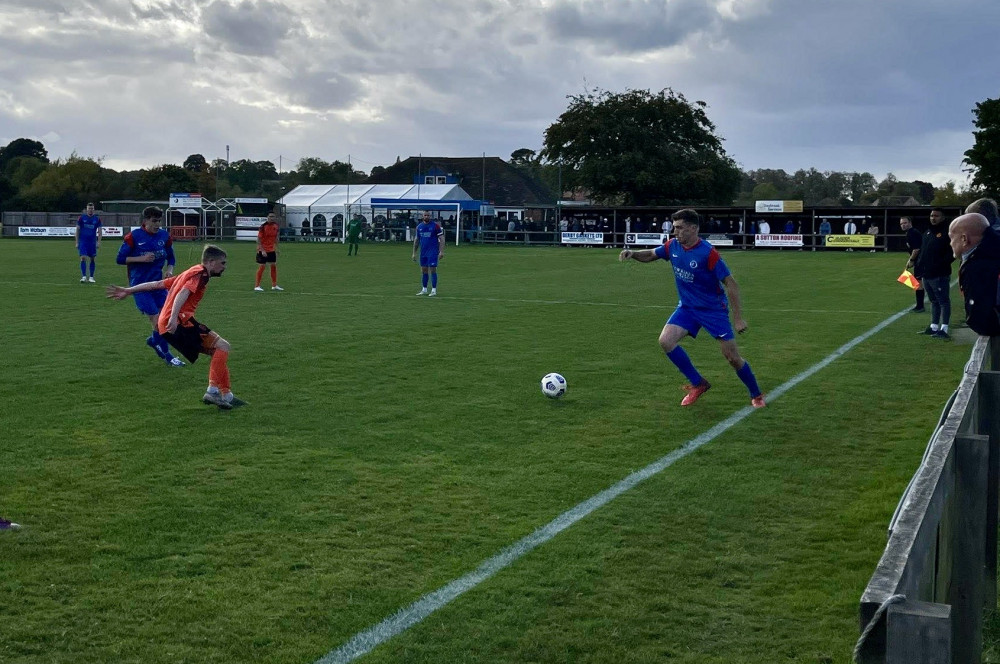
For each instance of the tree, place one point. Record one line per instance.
(161, 181)
(641, 148)
(523, 157)
(65, 186)
(948, 195)
(195, 163)
(22, 147)
(984, 156)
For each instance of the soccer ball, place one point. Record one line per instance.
(553, 385)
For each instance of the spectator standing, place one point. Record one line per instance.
(88, 240)
(824, 230)
(850, 228)
(667, 227)
(789, 227)
(873, 231)
(913, 242)
(933, 268)
(763, 227)
(988, 208)
(978, 246)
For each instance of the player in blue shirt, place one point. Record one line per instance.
(144, 252)
(88, 240)
(705, 290)
(430, 241)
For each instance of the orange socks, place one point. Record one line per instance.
(218, 371)
(260, 273)
(274, 275)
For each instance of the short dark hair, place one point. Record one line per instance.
(688, 216)
(907, 218)
(152, 212)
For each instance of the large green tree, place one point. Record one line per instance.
(983, 158)
(642, 148)
(160, 181)
(22, 147)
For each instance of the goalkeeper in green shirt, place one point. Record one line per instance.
(354, 234)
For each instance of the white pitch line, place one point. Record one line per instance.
(385, 296)
(367, 640)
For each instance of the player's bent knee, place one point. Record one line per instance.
(222, 345)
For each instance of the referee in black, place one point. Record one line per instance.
(913, 242)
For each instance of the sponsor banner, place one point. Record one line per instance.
(718, 240)
(250, 200)
(246, 235)
(778, 206)
(113, 231)
(185, 200)
(250, 222)
(862, 240)
(46, 231)
(777, 240)
(583, 238)
(646, 239)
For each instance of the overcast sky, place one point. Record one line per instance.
(849, 85)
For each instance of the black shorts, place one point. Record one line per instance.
(192, 340)
(269, 257)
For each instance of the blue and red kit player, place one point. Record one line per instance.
(145, 252)
(430, 242)
(88, 240)
(706, 290)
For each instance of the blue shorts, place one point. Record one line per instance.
(88, 248)
(429, 261)
(150, 302)
(716, 322)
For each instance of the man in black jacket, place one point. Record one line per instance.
(934, 271)
(978, 246)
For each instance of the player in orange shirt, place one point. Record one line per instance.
(267, 251)
(178, 326)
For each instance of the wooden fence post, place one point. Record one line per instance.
(968, 572)
(918, 633)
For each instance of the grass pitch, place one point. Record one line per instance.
(394, 442)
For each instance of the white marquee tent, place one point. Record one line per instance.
(331, 206)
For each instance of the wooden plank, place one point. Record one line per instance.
(918, 633)
(969, 547)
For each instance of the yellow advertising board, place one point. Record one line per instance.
(851, 241)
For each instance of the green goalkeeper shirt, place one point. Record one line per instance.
(354, 228)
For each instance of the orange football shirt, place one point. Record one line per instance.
(193, 279)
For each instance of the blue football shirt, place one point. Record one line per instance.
(140, 242)
(699, 272)
(88, 225)
(429, 233)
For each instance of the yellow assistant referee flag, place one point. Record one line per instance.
(908, 279)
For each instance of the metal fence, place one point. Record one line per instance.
(926, 600)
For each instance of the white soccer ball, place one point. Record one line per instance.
(553, 385)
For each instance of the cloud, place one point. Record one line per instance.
(249, 28)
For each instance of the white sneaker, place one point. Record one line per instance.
(83, 280)
(176, 362)
(423, 291)
(91, 280)
(277, 288)
(433, 292)
(258, 289)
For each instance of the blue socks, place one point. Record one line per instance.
(83, 268)
(680, 358)
(434, 280)
(746, 375)
(423, 279)
(159, 344)
(91, 267)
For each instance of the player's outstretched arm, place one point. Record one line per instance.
(643, 255)
(116, 292)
